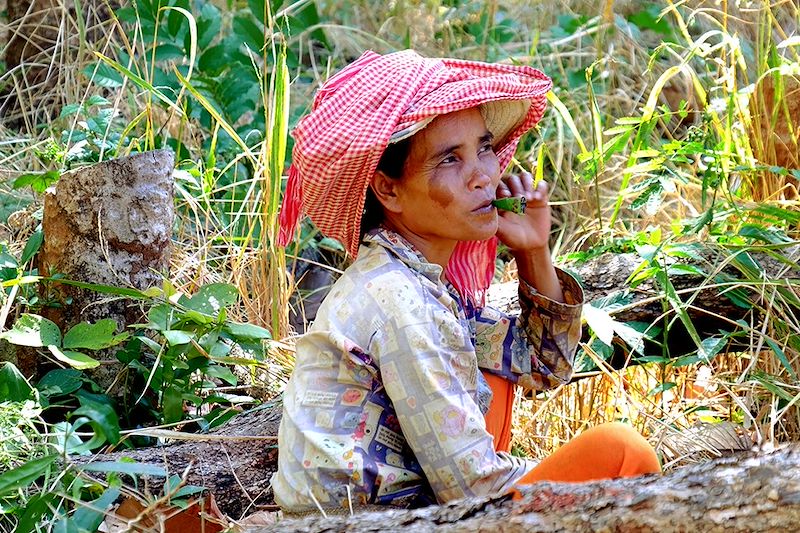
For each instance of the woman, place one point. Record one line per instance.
(403, 155)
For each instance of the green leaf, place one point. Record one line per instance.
(208, 25)
(600, 322)
(172, 405)
(211, 299)
(24, 475)
(187, 490)
(779, 353)
(711, 346)
(103, 76)
(250, 32)
(661, 388)
(632, 337)
(74, 359)
(13, 385)
(221, 372)
(259, 9)
(66, 440)
(246, 331)
(96, 99)
(126, 14)
(33, 330)
(160, 317)
(67, 110)
(766, 235)
(32, 246)
(120, 467)
(767, 381)
(8, 261)
(213, 60)
(97, 336)
(89, 517)
(327, 243)
(679, 269)
(104, 289)
(98, 410)
(176, 337)
(165, 52)
(36, 508)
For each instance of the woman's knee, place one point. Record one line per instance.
(636, 455)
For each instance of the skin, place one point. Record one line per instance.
(444, 192)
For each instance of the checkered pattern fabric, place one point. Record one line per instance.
(339, 144)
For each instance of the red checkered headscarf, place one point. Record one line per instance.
(381, 99)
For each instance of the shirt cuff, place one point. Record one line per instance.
(569, 309)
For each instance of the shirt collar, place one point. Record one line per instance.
(404, 251)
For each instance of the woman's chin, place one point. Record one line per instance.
(484, 231)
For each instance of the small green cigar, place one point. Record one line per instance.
(513, 204)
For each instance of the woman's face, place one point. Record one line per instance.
(448, 181)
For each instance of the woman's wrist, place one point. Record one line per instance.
(536, 268)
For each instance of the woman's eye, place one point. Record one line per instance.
(449, 159)
(486, 148)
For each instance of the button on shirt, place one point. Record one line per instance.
(385, 404)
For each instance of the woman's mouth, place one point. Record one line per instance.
(485, 208)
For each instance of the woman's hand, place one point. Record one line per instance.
(528, 232)
(527, 235)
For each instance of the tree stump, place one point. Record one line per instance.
(108, 224)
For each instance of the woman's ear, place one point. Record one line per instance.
(385, 190)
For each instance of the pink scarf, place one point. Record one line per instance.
(354, 114)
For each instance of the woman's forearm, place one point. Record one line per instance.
(536, 268)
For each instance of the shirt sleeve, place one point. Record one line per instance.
(429, 372)
(536, 349)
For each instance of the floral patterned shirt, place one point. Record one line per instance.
(385, 404)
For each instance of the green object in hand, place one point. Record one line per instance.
(515, 204)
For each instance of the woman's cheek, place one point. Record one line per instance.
(439, 192)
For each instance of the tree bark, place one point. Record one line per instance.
(109, 224)
(39, 31)
(710, 310)
(753, 492)
(234, 462)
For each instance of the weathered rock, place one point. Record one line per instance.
(108, 224)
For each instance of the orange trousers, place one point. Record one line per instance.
(606, 451)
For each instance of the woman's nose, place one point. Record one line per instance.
(480, 178)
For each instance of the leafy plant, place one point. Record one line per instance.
(196, 343)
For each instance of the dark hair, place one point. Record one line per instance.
(392, 162)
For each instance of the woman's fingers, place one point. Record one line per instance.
(503, 191)
(518, 184)
(522, 185)
(540, 194)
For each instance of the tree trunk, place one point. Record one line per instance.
(40, 31)
(710, 310)
(753, 492)
(108, 224)
(234, 462)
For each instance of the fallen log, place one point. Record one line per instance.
(752, 492)
(709, 307)
(234, 462)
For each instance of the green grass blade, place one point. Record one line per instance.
(24, 475)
